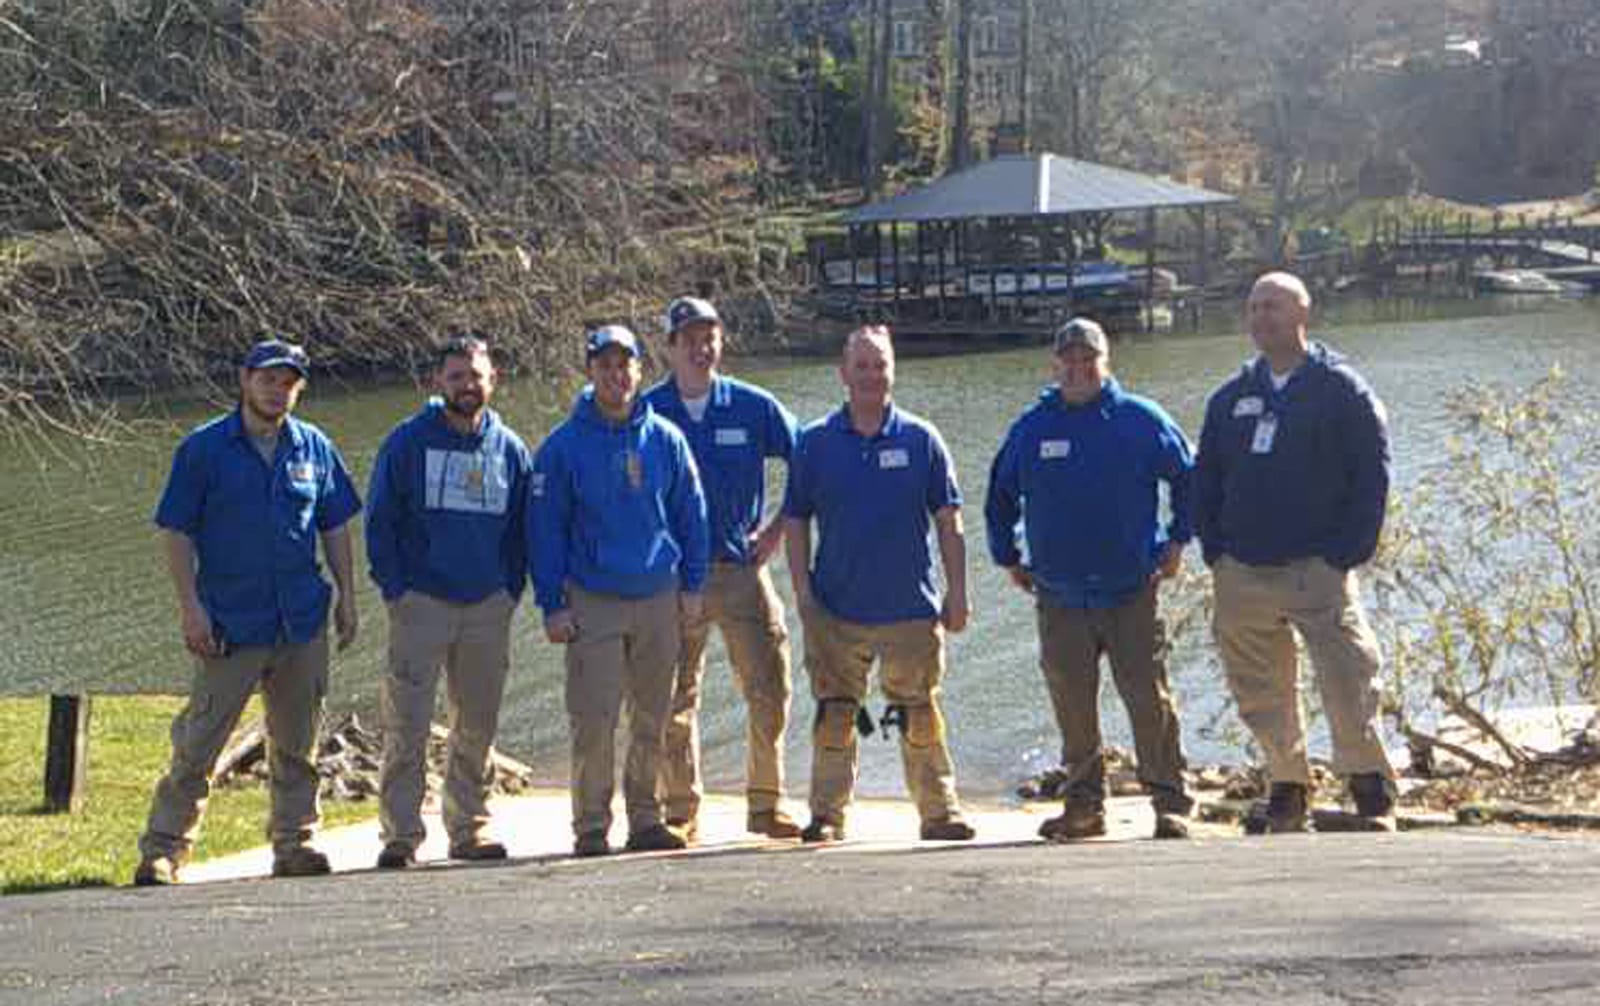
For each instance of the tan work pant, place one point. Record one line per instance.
(839, 659)
(1133, 637)
(470, 643)
(1258, 610)
(740, 601)
(293, 680)
(623, 655)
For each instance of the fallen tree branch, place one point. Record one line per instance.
(1479, 722)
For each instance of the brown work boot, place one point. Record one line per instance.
(1076, 821)
(822, 830)
(1374, 799)
(656, 838)
(300, 861)
(1171, 825)
(948, 829)
(397, 856)
(687, 827)
(156, 871)
(591, 844)
(772, 823)
(1287, 809)
(478, 850)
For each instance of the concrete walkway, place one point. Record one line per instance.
(538, 826)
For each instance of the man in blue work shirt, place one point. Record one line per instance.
(874, 477)
(447, 547)
(618, 544)
(1082, 469)
(248, 497)
(1290, 492)
(733, 428)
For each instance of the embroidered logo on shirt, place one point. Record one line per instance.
(1266, 432)
(303, 472)
(1251, 405)
(894, 457)
(635, 469)
(466, 482)
(1052, 450)
(536, 484)
(732, 437)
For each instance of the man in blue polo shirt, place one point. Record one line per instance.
(874, 478)
(1081, 470)
(249, 495)
(1291, 487)
(733, 428)
(618, 544)
(447, 547)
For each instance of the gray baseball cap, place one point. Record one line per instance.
(606, 336)
(1082, 332)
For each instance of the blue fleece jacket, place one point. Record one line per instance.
(1084, 480)
(445, 510)
(1293, 474)
(616, 509)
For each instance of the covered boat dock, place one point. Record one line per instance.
(1016, 244)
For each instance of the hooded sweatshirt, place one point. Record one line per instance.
(445, 510)
(1083, 479)
(615, 508)
(1297, 473)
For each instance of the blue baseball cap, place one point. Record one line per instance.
(606, 336)
(277, 353)
(687, 311)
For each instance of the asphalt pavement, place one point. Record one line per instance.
(1437, 917)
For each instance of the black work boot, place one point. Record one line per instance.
(1286, 809)
(1374, 798)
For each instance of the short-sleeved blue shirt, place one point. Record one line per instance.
(873, 499)
(255, 526)
(742, 427)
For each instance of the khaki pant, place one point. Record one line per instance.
(624, 654)
(1133, 637)
(293, 680)
(1258, 610)
(470, 643)
(740, 601)
(839, 659)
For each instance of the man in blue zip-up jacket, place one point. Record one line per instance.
(1290, 492)
(1081, 469)
(445, 543)
(618, 543)
(733, 429)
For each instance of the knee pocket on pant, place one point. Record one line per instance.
(924, 726)
(836, 722)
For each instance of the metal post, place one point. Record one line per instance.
(894, 259)
(66, 766)
(1150, 270)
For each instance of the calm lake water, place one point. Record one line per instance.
(87, 606)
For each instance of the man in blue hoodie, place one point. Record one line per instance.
(1290, 492)
(618, 541)
(445, 542)
(1082, 469)
(733, 428)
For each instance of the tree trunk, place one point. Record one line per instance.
(960, 124)
(869, 106)
(1024, 75)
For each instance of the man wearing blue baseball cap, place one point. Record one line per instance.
(617, 541)
(733, 429)
(249, 495)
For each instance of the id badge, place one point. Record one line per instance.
(1266, 432)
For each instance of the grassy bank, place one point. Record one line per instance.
(128, 751)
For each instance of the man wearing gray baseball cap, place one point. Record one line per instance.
(1080, 471)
